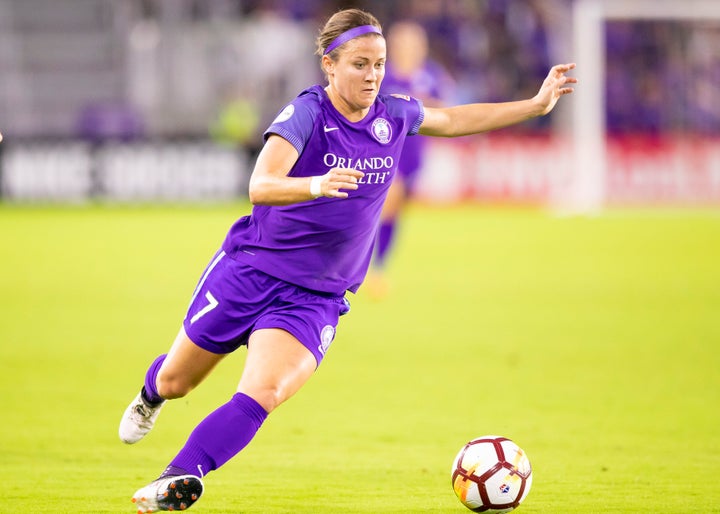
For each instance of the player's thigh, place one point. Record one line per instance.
(185, 367)
(276, 367)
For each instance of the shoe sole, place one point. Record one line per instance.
(179, 494)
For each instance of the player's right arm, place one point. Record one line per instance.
(271, 185)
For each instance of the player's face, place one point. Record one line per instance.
(356, 76)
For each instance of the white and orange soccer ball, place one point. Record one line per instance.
(491, 474)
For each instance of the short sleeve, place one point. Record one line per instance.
(295, 123)
(408, 108)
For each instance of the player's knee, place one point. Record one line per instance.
(172, 388)
(269, 398)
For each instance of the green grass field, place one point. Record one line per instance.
(594, 343)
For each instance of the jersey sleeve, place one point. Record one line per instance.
(408, 108)
(295, 122)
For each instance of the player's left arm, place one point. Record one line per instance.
(462, 120)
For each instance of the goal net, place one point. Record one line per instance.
(587, 190)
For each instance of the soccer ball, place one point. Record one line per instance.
(491, 474)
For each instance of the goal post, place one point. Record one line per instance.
(587, 192)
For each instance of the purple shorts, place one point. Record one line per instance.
(232, 300)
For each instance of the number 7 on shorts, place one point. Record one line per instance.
(212, 303)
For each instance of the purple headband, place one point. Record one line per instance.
(351, 34)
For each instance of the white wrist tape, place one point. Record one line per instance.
(315, 186)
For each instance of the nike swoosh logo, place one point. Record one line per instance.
(329, 129)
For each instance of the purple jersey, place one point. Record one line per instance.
(325, 244)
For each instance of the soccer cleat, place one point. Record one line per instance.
(138, 420)
(169, 493)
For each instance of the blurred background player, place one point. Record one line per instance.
(409, 71)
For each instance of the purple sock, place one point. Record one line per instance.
(149, 391)
(384, 241)
(219, 437)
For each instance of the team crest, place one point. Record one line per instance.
(326, 338)
(401, 97)
(285, 114)
(381, 130)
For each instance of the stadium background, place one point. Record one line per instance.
(593, 341)
(153, 99)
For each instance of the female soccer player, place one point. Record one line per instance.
(277, 284)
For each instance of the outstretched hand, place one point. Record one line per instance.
(554, 86)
